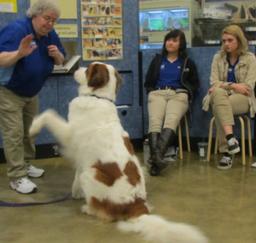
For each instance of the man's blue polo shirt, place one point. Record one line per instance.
(29, 73)
(170, 74)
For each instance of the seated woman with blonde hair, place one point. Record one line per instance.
(233, 76)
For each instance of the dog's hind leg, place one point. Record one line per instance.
(54, 123)
(92, 188)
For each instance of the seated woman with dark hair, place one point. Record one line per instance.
(171, 81)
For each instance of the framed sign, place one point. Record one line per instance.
(8, 6)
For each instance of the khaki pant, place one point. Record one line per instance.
(16, 115)
(166, 108)
(224, 107)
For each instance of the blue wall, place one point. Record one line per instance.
(59, 90)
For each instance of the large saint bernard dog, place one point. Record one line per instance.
(108, 173)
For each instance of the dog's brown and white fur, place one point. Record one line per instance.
(108, 173)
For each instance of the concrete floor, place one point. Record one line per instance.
(221, 203)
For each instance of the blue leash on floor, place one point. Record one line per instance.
(27, 204)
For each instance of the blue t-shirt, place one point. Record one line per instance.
(29, 73)
(231, 72)
(170, 74)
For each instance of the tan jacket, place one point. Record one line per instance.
(245, 72)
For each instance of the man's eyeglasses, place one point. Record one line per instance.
(49, 19)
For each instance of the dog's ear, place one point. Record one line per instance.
(97, 75)
(80, 75)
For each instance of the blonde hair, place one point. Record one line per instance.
(41, 6)
(238, 33)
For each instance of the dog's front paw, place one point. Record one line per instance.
(40, 121)
(85, 209)
(36, 127)
(78, 194)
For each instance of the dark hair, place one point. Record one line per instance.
(183, 44)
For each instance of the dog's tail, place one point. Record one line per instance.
(156, 229)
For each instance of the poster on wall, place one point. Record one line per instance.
(102, 30)
(8, 6)
(66, 30)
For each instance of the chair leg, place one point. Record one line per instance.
(242, 139)
(216, 141)
(242, 124)
(180, 141)
(249, 132)
(187, 134)
(210, 139)
(180, 136)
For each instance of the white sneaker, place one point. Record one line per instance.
(23, 185)
(225, 163)
(35, 172)
(253, 165)
(233, 146)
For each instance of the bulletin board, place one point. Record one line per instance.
(102, 30)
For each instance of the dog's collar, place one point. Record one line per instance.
(98, 97)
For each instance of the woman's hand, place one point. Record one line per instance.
(26, 46)
(54, 52)
(210, 90)
(241, 88)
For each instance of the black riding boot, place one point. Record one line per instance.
(167, 137)
(153, 140)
